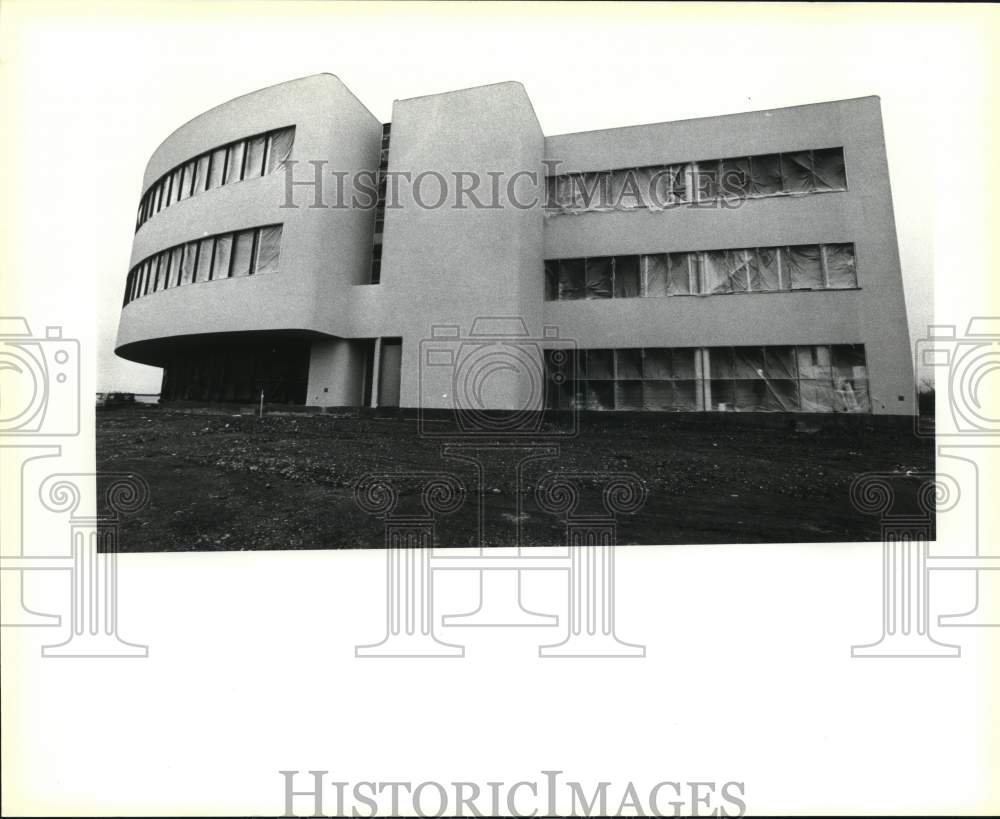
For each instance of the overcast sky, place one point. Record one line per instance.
(91, 96)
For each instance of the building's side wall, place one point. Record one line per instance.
(874, 315)
(323, 251)
(448, 266)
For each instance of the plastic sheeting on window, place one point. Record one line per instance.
(572, 280)
(679, 273)
(803, 266)
(735, 180)
(268, 249)
(706, 180)
(715, 272)
(797, 172)
(234, 162)
(204, 270)
(599, 284)
(190, 251)
(626, 277)
(551, 279)
(765, 174)
(201, 173)
(185, 176)
(625, 190)
(654, 272)
(220, 264)
(280, 148)
(840, 269)
(242, 252)
(766, 269)
(628, 363)
(256, 148)
(828, 169)
(217, 167)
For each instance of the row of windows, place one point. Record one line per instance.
(703, 272)
(662, 186)
(244, 159)
(225, 256)
(819, 378)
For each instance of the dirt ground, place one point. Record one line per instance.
(220, 480)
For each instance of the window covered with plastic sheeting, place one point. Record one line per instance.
(734, 181)
(256, 149)
(551, 280)
(599, 284)
(186, 177)
(242, 254)
(840, 270)
(828, 169)
(203, 272)
(188, 263)
(713, 272)
(279, 148)
(765, 174)
(850, 378)
(797, 172)
(176, 263)
(597, 364)
(268, 249)
(654, 275)
(626, 275)
(217, 168)
(572, 279)
(706, 180)
(628, 363)
(223, 249)
(234, 162)
(625, 190)
(200, 174)
(803, 266)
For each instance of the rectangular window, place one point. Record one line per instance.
(217, 168)
(200, 174)
(735, 179)
(188, 263)
(184, 177)
(255, 157)
(203, 271)
(828, 169)
(242, 254)
(223, 249)
(551, 280)
(654, 275)
(269, 250)
(679, 273)
(159, 196)
(840, 270)
(234, 162)
(804, 266)
(706, 180)
(797, 172)
(572, 280)
(279, 148)
(765, 175)
(168, 197)
(626, 277)
(176, 260)
(599, 278)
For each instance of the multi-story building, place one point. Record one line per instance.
(289, 243)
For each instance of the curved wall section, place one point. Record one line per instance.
(324, 250)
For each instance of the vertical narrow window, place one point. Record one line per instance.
(279, 147)
(679, 274)
(200, 174)
(184, 174)
(176, 264)
(188, 263)
(234, 163)
(626, 277)
(551, 279)
(255, 151)
(242, 254)
(223, 249)
(159, 196)
(203, 270)
(655, 275)
(767, 275)
(217, 168)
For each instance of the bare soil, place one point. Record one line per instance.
(221, 480)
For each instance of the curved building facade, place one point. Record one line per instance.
(290, 244)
